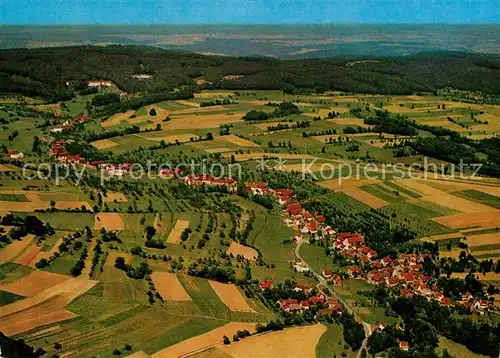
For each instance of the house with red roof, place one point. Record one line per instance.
(406, 292)
(15, 154)
(404, 346)
(294, 208)
(354, 271)
(266, 284)
(283, 195)
(386, 260)
(327, 230)
(320, 218)
(258, 188)
(354, 239)
(337, 280)
(327, 273)
(377, 277)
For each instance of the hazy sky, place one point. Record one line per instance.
(248, 11)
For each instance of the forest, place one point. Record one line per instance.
(44, 72)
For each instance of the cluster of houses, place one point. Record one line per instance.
(295, 216)
(58, 151)
(14, 154)
(207, 180)
(69, 125)
(404, 272)
(291, 305)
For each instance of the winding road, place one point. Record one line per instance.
(322, 282)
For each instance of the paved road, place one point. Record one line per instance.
(324, 284)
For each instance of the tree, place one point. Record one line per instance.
(210, 136)
(158, 127)
(226, 340)
(152, 112)
(57, 346)
(36, 144)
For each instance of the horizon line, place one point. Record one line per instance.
(261, 24)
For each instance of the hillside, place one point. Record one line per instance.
(44, 72)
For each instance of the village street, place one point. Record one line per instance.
(330, 291)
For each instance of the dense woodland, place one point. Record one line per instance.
(43, 72)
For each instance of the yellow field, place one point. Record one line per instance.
(483, 239)
(455, 203)
(175, 235)
(250, 156)
(169, 286)
(462, 221)
(31, 206)
(109, 221)
(103, 144)
(488, 276)
(290, 342)
(182, 138)
(239, 141)
(203, 341)
(231, 296)
(34, 283)
(218, 150)
(484, 253)
(202, 121)
(111, 197)
(435, 238)
(117, 118)
(418, 187)
(323, 113)
(188, 103)
(44, 307)
(213, 94)
(5, 168)
(354, 122)
(365, 197)
(12, 250)
(337, 185)
(238, 249)
(454, 253)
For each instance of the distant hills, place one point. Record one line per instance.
(45, 72)
(278, 41)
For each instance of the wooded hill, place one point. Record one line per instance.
(43, 72)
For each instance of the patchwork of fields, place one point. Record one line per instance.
(178, 308)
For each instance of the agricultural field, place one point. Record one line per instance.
(166, 266)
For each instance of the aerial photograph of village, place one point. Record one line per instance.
(249, 178)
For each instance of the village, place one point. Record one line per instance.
(403, 272)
